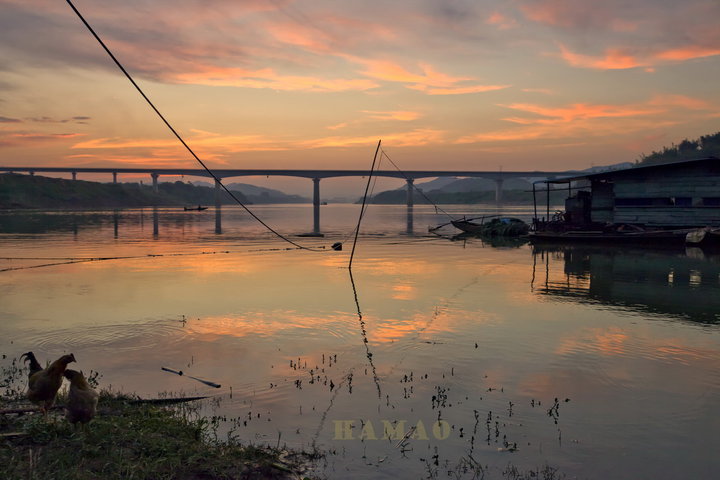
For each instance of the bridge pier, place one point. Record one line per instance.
(155, 182)
(498, 190)
(410, 182)
(316, 205)
(114, 177)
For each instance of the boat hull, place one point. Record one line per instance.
(503, 227)
(656, 238)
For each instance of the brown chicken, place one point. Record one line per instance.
(82, 400)
(44, 384)
(34, 364)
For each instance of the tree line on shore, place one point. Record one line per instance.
(703, 147)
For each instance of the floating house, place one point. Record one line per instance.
(645, 199)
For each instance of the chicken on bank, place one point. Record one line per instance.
(43, 384)
(82, 399)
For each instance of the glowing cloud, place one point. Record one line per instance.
(501, 21)
(588, 120)
(614, 59)
(402, 116)
(268, 78)
(429, 80)
(688, 53)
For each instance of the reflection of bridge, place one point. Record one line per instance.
(316, 175)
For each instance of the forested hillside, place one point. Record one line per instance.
(703, 147)
(26, 191)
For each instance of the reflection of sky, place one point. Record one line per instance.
(466, 316)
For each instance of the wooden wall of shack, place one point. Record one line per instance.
(678, 195)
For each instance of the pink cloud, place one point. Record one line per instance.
(269, 78)
(502, 22)
(428, 80)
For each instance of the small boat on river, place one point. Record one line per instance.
(496, 227)
(198, 208)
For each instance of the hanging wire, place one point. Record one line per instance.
(416, 188)
(187, 147)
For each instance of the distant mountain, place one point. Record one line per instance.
(475, 190)
(436, 184)
(483, 185)
(266, 195)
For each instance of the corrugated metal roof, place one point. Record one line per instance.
(624, 171)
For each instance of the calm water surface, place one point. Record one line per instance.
(469, 343)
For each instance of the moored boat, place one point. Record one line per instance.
(496, 227)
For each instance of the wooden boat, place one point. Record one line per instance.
(199, 208)
(497, 227)
(624, 234)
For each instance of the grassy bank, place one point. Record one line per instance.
(135, 441)
(128, 439)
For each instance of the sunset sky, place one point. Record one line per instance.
(453, 84)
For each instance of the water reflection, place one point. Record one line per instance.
(410, 226)
(218, 219)
(455, 331)
(682, 284)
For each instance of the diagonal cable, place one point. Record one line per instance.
(187, 147)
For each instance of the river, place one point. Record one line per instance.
(600, 362)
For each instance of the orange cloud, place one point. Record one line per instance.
(299, 35)
(403, 116)
(623, 59)
(501, 21)
(614, 59)
(268, 78)
(581, 111)
(682, 101)
(15, 139)
(413, 138)
(429, 80)
(688, 53)
(589, 120)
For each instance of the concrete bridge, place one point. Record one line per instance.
(315, 175)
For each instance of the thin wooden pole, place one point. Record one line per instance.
(534, 203)
(548, 201)
(362, 210)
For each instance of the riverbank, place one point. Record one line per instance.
(130, 440)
